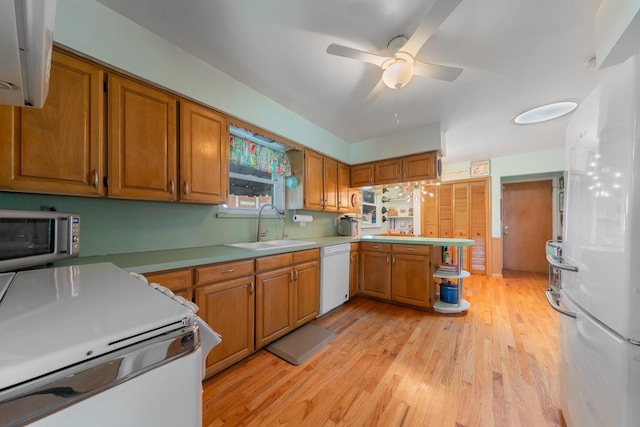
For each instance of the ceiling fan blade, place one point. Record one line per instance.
(440, 72)
(377, 89)
(438, 13)
(349, 52)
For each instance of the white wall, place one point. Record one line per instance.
(519, 165)
(410, 141)
(95, 30)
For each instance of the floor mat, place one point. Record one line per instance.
(301, 344)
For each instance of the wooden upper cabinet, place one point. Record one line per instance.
(59, 148)
(421, 167)
(204, 154)
(313, 176)
(362, 175)
(479, 196)
(142, 141)
(330, 184)
(388, 171)
(344, 195)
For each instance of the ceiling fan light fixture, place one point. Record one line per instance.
(397, 74)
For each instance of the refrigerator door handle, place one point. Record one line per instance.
(553, 299)
(557, 263)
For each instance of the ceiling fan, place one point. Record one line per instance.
(402, 65)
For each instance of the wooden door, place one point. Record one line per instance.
(307, 292)
(204, 155)
(59, 148)
(526, 225)
(142, 142)
(388, 171)
(229, 308)
(330, 184)
(274, 305)
(478, 226)
(362, 175)
(313, 176)
(445, 197)
(429, 213)
(344, 197)
(375, 274)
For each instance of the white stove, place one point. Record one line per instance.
(70, 337)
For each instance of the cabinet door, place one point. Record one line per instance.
(430, 213)
(330, 184)
(375, 274)
(479, 209)
(142, 142)
(410, 279)
(419, 167)
(445, 197)
(388, 171)
(274, 305)
(461, 210)
(313, 176)
(362, 175)
(204, 156)
(307, 292)
(354, 262)
(344, 197)
(228, 307)
(59, 148)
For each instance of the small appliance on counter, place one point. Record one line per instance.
(348, 226)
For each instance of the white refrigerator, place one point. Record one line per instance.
(600, 295)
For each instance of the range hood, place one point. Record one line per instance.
(26, 39)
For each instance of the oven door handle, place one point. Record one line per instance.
(554, 301)
(557, 263)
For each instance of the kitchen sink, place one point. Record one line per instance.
(270, 244)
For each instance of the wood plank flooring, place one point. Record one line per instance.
(397, 366)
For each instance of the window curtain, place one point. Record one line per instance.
(256, 156)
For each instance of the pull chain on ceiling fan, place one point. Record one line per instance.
(401, 64)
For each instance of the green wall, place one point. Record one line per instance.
(110, 226)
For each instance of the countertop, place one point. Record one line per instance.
(146, 262)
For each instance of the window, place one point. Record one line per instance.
(258, 168)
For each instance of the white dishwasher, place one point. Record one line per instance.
(334, 276)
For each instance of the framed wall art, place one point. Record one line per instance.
(481, 168)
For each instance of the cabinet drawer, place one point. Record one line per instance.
(174, 280)
(224, 271)
(308, 255)
(355, 246)
(411, 249)
(378, 247)
(274, 261)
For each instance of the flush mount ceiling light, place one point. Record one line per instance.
(545, 112)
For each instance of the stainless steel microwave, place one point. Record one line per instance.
(31, 238)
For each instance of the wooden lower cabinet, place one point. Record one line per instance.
(354, 262)
(375, 270)
(180, 282)
(225, 294)
(287, 293)
(411, 275)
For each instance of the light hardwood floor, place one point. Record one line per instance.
(397, 366)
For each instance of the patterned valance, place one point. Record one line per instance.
(256, 156)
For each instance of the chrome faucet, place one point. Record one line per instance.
(260, 233)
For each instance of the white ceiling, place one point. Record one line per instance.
(516, 54)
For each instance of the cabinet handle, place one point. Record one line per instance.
(251, 288)
(398, 177)
(410, 249)
(375, 246)
(96, 181)
(172, 187)
(297, 273)
(186, 188)
(394, 260)
(291, 275)
(387, 260)
(229, 270)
